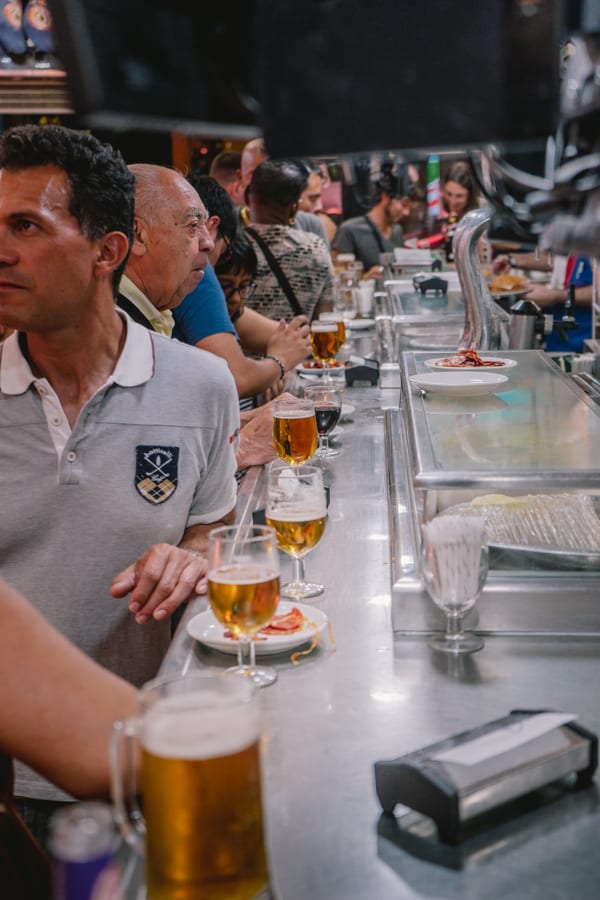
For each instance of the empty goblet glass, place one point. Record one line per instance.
(454, 565)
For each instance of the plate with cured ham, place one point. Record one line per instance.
(470, 360)
(314, 367)
(294, 625)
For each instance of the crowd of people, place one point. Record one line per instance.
(151, 319)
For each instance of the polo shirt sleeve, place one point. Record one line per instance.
(216, 492)
(203, 312)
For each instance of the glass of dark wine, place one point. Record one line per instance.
(327, 401)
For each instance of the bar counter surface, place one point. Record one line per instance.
(329, 718)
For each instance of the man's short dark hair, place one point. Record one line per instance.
(226, 164)
(277, 182)
(218, 203)
(239, 257)
(102, 187)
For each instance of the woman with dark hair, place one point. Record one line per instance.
(459, 191)
(459, 196)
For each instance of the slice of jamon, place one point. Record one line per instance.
(286, 623)
(467, 359)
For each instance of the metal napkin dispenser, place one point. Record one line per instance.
(470, 774)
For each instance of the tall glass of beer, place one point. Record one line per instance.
(297, 511)
(325, 343)
(198, 773)
(243, 589)
(294, 430)
(338, 318)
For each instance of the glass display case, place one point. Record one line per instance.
(537, 436)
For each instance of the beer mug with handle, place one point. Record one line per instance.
(192, 753)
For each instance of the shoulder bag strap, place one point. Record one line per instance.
(277, 272)
(376, 234)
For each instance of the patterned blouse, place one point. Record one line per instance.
(306, 262)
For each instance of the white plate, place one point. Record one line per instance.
(205, 628)
(347, 410)
(460, 383)
(437, 364)
(359, 323)
(316, 373)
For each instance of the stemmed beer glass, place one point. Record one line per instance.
(325, 343)
(327, 400)
(297, 511)
(454, 566)
(294, 430)
(243, 589)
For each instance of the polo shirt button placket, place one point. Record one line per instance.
(71, 456)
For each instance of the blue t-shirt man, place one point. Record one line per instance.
(579, 275)
(203, 312)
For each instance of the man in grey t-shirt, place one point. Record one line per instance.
(378, 231)
(116, 445)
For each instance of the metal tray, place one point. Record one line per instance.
(510, 556)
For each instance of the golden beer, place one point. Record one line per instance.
(202, 802)
(297, 536)
(339, 321)
(295, 435)
(325, 340)
(243, 597)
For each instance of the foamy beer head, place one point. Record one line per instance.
(201, 724)
(325, 340)
(296, 508)
(339, 321)
(200, 784)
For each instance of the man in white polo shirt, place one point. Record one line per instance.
(116, 444)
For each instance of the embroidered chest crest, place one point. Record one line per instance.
(156, 472)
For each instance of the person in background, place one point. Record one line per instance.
(565, 273)
(226, 169)
(378, 231)
(301, 281)
(126, 441)
(459, 191)
(311, 203)
(202, 318)
(255, 153)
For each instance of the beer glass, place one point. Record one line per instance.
(243, 589)
(327, 400)
(294, 430)
(325, 343)
(296, 509)
(192, 753)
(338, 318)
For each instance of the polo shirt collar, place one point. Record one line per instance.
(162, 321)
(135, 365)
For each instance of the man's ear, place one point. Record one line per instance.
(213, 226)
(139, 246)
(112, 250)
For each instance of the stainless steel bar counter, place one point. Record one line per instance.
(329, 718)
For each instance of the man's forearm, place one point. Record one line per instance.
(195, 538)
